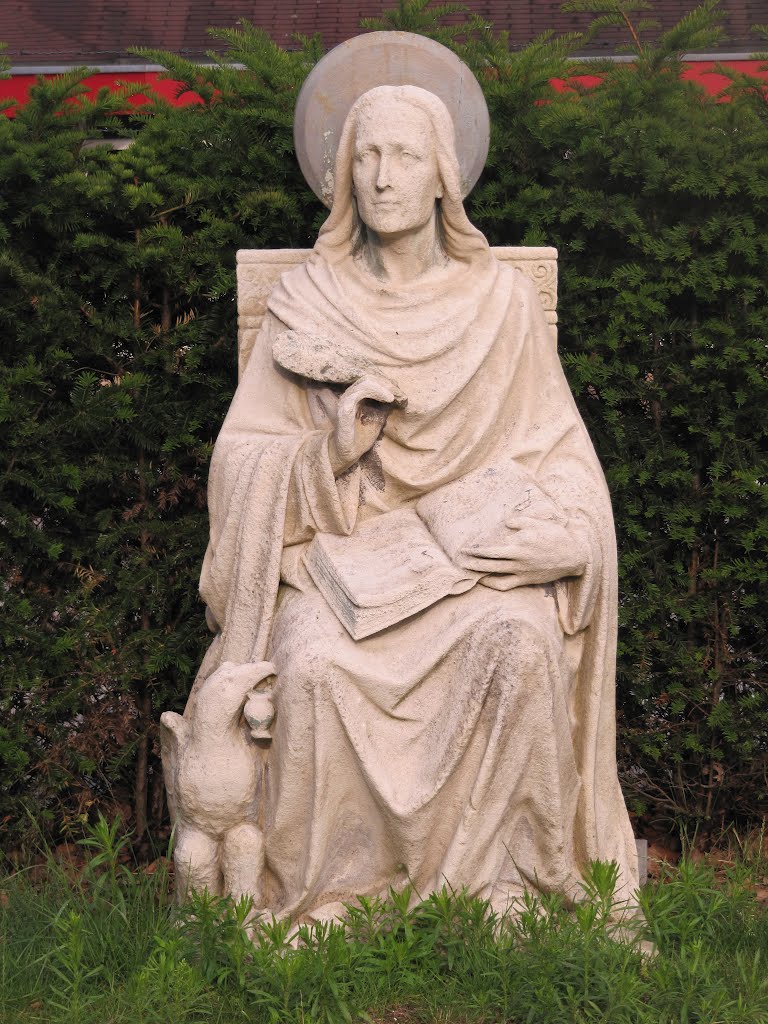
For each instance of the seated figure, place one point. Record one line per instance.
(471, 744)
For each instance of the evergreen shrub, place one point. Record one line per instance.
(117, 327)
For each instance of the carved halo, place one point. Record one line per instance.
(386, 58)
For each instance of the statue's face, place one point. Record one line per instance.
(395, 170)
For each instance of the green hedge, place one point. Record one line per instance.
(117, 362)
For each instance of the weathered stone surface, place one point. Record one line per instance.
(325, 360)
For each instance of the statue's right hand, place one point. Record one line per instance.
(360, 418)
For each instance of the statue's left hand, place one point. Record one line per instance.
(534, 551)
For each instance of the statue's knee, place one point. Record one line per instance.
(532, 639)
(524, 644)
(300, 674)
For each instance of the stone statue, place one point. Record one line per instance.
(404, 379)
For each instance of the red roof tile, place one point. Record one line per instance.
(100, 31)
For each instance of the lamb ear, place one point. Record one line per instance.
(174, 731)
(176, 725)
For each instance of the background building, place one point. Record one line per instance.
(97, 32)
(48, 36)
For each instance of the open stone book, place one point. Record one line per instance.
(403, 561)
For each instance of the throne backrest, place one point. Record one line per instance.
(259, 269)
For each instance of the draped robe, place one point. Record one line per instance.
(472, 744)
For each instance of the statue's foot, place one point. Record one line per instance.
(335, 911)
(506, 899)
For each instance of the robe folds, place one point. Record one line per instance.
(472, 744)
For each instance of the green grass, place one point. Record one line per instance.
(105, 945)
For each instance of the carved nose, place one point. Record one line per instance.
(382, 179)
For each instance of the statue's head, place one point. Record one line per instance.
(396, 167)
(396, 177)
(384, 68)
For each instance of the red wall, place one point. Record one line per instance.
(17, 87)
(703, 72)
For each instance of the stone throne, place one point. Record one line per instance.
(259, 269)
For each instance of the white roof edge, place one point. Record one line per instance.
(690, 58)
(58, 69)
